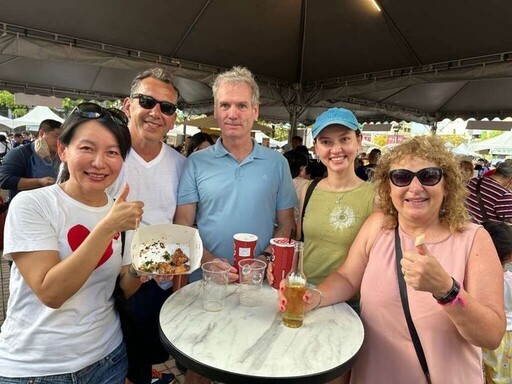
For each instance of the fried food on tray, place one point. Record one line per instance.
(182, 268)
(173, 264)
(178, 257)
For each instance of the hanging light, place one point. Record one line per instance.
(376, 4)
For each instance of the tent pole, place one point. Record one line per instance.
(293, 128)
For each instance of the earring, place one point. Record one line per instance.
(442, 210)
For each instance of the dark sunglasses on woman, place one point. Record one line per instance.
(427, 176)
(148, 102)
(95, 111)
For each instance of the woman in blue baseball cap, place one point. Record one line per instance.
(339, 203)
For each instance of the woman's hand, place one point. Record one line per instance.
(312, 298)
(124, 215)
(423, 272)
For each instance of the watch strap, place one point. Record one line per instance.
(268, 255)
(451, 295)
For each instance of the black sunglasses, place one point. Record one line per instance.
(148, 102)
(427, 176)
(95, 111)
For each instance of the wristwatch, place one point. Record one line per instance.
(451, 295)
(268, 255)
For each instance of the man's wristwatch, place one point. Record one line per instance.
(268, 255)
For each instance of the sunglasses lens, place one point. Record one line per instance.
(167, 108)
(427, 176)
(118, 116)
(146, 102)
(401, 177)
(89, 110)
(430, 176)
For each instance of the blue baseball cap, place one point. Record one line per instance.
(332, 116)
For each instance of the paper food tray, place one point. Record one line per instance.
(150, 243)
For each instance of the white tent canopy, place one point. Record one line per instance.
(501, 144)
(180, 130)
(464, 150)
(6, 121)
(259, 136)
(35, 116)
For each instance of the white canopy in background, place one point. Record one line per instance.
(35, 116)
(180, 130)
(501, 144)
(259, 136)
(464, 150)
(6, 121)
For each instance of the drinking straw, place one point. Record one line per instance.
(291, 235)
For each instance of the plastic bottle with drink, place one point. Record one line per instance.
(295, 288)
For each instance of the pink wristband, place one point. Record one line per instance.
(458, 300)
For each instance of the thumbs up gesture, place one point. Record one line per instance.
(423, 272)
(125, 215)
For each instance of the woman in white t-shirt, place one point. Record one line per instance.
(65, 243)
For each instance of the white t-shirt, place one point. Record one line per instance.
(155, 183)
(36, 340)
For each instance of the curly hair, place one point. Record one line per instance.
(453, 212)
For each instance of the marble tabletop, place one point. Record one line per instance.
(250, 345)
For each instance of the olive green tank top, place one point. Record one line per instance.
(331, 222)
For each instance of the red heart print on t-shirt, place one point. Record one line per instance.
(78, 234)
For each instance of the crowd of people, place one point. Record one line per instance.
(87, 184)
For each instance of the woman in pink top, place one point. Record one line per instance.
(421, 191)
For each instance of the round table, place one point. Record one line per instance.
(250, 345)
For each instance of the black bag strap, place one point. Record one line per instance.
(483, 212)
(405, 304)
(309, 192)
(123, 241)
(118, 292)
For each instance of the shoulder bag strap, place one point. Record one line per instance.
(405, 304)
(480, 201)
(123, 241)
(309, 192)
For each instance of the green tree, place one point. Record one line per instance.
(454, 139)
(489, 134)
(7, 103)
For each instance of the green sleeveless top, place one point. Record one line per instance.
(331, 222)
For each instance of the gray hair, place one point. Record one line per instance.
(237, 75)
(156, 73)
(505, 168)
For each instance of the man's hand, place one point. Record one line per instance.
(46, 181)
(233, 272)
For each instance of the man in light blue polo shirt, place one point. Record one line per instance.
(236, 185)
